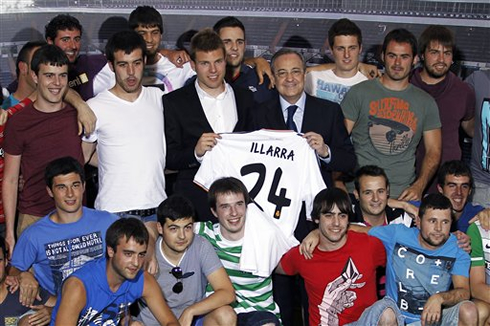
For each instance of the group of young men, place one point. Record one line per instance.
(206, 257)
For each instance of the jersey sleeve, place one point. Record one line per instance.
(477, 258)
(290, 261)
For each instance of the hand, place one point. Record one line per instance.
(41, 317)
(432, 310)
(206, 143)
(29, 289)
(316, 142)
(177, 57)
(262, 67)
(152, 265)
(309, 244)
(414, 192)
(464, 241)
(370, 71)
(3, 116)
(186, 318)
(86, 119)
(484, 218)
(12, 282)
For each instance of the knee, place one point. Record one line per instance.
(483, 312)
(388, 318)
(468, 314)
(222, 316)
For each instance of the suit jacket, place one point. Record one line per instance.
(320, 116)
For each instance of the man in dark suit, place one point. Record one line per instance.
(322, 124)
(198, 112)
(321, 121)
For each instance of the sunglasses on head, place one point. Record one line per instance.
(178, 274)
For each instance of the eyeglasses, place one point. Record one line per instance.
(177, 273)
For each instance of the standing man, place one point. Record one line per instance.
(388, 116)
(104, 289)
(65, 239)
(198, 112)
(455, 99)
(345, 41)
(193, 263)
(129, 120)
(320, 120)
(232, 33)
(44, 130)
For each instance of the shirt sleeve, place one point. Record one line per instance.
(25, 252)
(379, 252)
(289, 261)
(209, 258)
(432, 120)
(351, 105)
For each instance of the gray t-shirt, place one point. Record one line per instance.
(388, 128)
(199, 258)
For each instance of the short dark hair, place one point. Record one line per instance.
(48, 54)
(454, 167)
(225, 186)
(3, 247)
(326, 199)
(285, 51)
(24, 53)
(437, 33)
(61, 23)
(126, 41)
(206, 40)
(434, 201)
(175, 207)
(400, 35)
(370, 171)
(228, 21)
(62, 166)
(345, 27)
(126, 228)
(145, 16)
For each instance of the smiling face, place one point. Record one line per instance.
(373, 196)
(176, 235)
(234, 40)
(457, 189)
(230, 211)
(333, 227)
(435, 228)
(69, 41)
(152, 37)
(210, 69)
(345, 51)
(437, 60)
(126, 261)
(67, 192)
(51, 83)
(289, 75)
(398, 59)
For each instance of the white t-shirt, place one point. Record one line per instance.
(327, 85)
(163, 74)
(279, 169)
(131, 150)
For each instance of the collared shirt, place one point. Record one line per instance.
(220, 111)
(298, 119)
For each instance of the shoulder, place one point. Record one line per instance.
(181, 93)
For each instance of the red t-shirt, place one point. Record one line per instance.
(41, 137)
(11, 111)
(340, 284)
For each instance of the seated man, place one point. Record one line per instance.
(192, 262)
(12, 312)
(64, 240)
(102, 291)
(480, 271)
(228, 199)
(340, 280)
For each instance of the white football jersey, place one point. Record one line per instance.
(279, 169)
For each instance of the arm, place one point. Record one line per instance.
(73, 299)
(153, 296)
(469, 126)
(433, 307)
(177, 57)
(484, 218)
(86, 117)
(224, 294)
(151, 258)
(29, 287)
(479, 288)
(262, 67)
(10, 188)
(433, 145)
(412, 210)
(349, 125)
(42, 315)
(88, 150)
